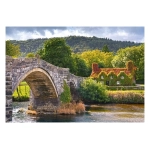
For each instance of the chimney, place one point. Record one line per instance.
(95, 67)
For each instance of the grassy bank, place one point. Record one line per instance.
(22, 93)
(126, 97)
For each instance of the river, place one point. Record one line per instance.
(95, 113)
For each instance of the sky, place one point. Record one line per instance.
(134, 34)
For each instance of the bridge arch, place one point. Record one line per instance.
(35, 78)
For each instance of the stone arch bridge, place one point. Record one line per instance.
(45, 81)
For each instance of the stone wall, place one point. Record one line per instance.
(9, 62)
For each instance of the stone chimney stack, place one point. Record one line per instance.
(95, 67)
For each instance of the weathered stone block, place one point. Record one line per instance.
(8, 92)
(8, 78)
(9, 87)
(8, 83)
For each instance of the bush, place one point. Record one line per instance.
(65, 96)
(93, 91)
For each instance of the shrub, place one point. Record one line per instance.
(65, 96)
(93, 91)
(30, 55)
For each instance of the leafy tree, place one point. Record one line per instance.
(57, 52)
(97, 56)
(65, 96)
(80, 66)
(93, 91)
(105, 49)
(134, 53)
(12, 50)
(30, 55)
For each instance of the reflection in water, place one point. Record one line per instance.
(96, 113)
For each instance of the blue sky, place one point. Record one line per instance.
(135, 34)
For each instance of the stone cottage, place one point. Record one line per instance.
(115, 76)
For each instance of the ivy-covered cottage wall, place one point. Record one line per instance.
(114, 76)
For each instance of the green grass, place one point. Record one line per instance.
(124, 88)
(126, 91)
(23, 91)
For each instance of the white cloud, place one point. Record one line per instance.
(21, 35)
(105, 32)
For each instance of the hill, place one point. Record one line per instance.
(77, 44)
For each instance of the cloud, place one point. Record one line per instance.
(135, 34)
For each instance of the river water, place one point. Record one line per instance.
(95, 113)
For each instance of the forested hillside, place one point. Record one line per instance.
(77, 44)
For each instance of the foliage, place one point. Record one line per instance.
(97, 56)
(80, 66)
(136, 54)
(30, 55)
(22, 93)
(77, 44)
(12, 50)
(58, 53)
(102, 77)
(126, 97)
(125, 88)
(105, 49)
(124, 78)
(91, 91)
(112, 77)
(65, 96)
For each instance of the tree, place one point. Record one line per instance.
(12, 50)
(135, 54)
(65, 96)
(57, 52)
(105, 49)
(97, 56)
(30, 55)
(80, 66)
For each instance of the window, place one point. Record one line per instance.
(111, 77)
(118, 82)
(102, 77)
(122, 77)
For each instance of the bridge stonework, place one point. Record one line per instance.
(45, 81)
